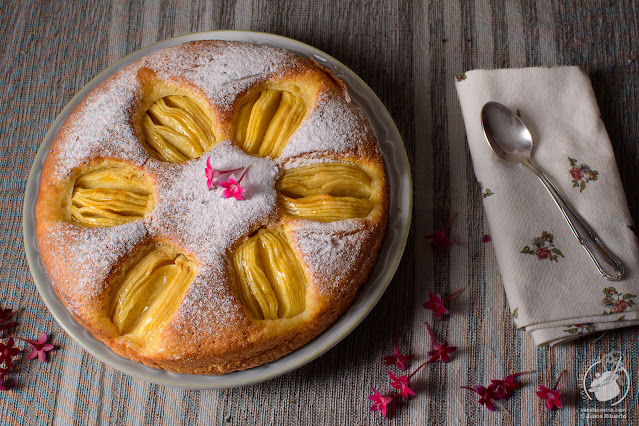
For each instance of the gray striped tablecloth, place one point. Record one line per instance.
(409, 55)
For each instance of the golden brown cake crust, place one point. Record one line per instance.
(211, 332)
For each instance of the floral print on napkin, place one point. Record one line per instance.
(581, 174)
(581, 328)
(616, 302)
(543, 247)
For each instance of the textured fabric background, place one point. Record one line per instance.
(409, 55)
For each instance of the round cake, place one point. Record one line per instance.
(212, 207)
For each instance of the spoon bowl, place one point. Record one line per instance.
(511, 141)
(507, 135)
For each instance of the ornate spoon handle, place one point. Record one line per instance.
(608, 265)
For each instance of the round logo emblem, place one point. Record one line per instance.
(606, 380)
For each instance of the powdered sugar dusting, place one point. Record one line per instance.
(209, 223)
(332, 126)
(209, 303)
(102, 128)
(330, 250)
(223, 71)
(94, 251)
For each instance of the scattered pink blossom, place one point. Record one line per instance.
(506, 387)
(396, 357)
(212, 174)
(551, 396)
(436, 304)
(440, 353)
(380, 402)
(40, 347)
(7, 352)
(439, 237)
(401, 383)
(487, 396)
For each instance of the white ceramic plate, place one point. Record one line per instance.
(398, 172)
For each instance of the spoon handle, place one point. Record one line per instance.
(607, 264)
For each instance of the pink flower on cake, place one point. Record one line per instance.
(212, 174)
(232, 187)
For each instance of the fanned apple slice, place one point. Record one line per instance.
(326, 192)
(177, 129)
(270, 282)
(267, 120)
(110, 195)
(149, 292)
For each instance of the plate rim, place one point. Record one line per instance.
(345, 325)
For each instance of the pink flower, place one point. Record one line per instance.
(505, 388)
(436, 304)
(576, 173)
(380, 402)
(441, 351)
(7, 352)
(396, 357)
(401, 384)
(485, 238)
(543, 253)
(439, 237)
(551, 396)
(487, 396)
(232, 187)
(620, 306)
(40, 347)
(212, 174)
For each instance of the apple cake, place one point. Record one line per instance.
(167, 271)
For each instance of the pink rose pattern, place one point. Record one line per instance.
(581, 328)
(581, 174)
(544, 248)
(616, 302)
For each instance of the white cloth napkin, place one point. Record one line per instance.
(553, 288)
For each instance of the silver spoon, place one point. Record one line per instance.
(511, 141)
